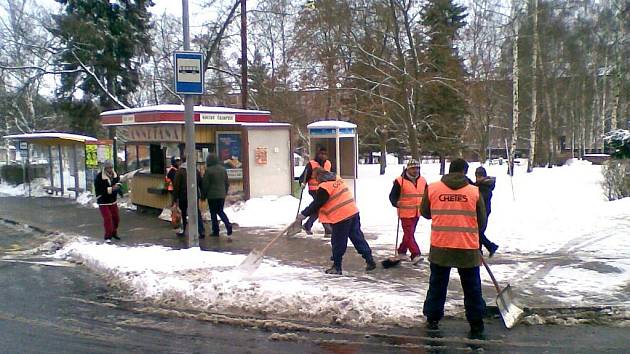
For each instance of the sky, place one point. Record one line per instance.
(554, 227)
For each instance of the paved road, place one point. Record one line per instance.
(65, 308)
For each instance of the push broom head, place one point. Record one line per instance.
(390, 262)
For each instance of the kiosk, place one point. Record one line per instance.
(341, 140)
(255, 152)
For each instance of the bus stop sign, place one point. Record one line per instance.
(189, 73)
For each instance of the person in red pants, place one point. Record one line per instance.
(107, 188)
(406, 195)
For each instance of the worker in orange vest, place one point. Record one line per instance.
(320, 161)
(336, 206)
(457, 216)
(406, 195)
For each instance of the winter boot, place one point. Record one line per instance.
(492, 250)
(476, 329)
(433, 325)
(333, 270)
(370, 265)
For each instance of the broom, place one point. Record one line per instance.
(393, 261)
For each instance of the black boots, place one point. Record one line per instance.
(370, 265)
(333, 270)
(476, 329)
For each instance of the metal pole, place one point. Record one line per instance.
(50, 163)
(28, 167)
(191, 158)
(76, 171)
(244, 54)
(60, 169)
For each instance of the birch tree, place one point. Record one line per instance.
(534, 104)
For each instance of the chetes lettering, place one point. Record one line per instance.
(453, 198)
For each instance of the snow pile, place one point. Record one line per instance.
(209, 281)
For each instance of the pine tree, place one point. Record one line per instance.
(106, 40)
(443, 100)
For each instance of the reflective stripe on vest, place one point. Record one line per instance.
(410, 197)
(312, 182)
(454, 216)
(340, 204)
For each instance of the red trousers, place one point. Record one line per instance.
(110, 219)
(409, 239)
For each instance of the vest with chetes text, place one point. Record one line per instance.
(454, 216)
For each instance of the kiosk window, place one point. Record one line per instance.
(157, 159)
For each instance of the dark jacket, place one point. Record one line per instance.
(103, 187)
(321, 197)
(453, 257)
(486, 186)
(180, 192)
(215, 182)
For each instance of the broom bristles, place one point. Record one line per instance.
(389, 263)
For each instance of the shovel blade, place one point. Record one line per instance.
(251, 262)
(294, 229)
(510, 313)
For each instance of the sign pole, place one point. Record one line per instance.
(191, 158)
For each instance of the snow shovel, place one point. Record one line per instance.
(255, 257)
(510, 313)
(296, 227)
(393, 261)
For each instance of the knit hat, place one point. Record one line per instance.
(413, 163)
(174, 159)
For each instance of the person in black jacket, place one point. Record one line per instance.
(486, 186)
(107, 187)
(180, 195)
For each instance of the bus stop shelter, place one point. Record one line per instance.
(64, 155)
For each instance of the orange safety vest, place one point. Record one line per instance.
(454, 216)
(340, 204)
(167, 181)
(312, 182)
(410, 197)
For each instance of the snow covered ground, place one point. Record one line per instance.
(557, 234)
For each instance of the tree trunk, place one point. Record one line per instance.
(515, 77)
(618, 80)
(534, 120)
(382, 141)
(602, 118)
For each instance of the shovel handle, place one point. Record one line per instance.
(275, 238)
(494, 281)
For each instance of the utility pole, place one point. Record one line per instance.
(191, 158)
(244, 54)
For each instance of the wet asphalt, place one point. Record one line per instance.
(65, 308)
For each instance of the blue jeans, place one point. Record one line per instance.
(436, 295)
(341, 231)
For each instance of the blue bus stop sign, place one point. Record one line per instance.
(189, 73)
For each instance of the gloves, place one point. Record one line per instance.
(300, 217)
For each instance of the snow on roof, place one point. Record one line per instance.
(51, 135)
(331, 124)
(258, 124)
(180, 108)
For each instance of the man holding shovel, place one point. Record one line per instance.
(406, 195)
(320, 161)
(335, 204)
(457, 216)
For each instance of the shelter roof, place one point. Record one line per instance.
(51, 138)
(331, 124)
